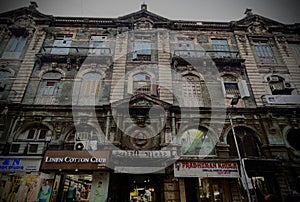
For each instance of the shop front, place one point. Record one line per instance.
(267, 179)
(208, 181)
(78, 175)
(20, 178)
(142, 176)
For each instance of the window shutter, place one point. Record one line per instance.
(153, 89)
(130, 85)
(243, 88)
(223, 87)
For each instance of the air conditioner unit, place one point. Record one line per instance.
(288, 85)
(272, 79)
(93, 145)
(81, 145)
(276, 87)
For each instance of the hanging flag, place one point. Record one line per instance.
(246, 181)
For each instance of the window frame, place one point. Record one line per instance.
(153, 87)
(223, 50)
(191, 89)
(52, 90)
(90, 87)
(98, 41)
(264, 51)
(62, 44)
(15, 47)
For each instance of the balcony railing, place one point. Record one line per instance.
(63, 54)
(218, 56)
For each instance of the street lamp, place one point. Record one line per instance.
(244, 177)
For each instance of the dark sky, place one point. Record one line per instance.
(285, 11)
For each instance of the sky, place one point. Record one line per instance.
(284, 11)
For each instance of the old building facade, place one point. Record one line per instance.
(144, 107)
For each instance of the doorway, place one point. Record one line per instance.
(136, 188)
(74, 187)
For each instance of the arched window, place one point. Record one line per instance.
(279, 86)
(31, 140)
(48, 89)
(83, 137)
(248, 143)
(191, 88)
(50, 84)
(142, 83)
(196, 142)
(90, 85)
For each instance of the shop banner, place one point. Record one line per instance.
(206, 169)
(75, 160)
(19, 164)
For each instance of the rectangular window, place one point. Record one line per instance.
(14, 47)
(99, 45)
(264, 54)
(49, 88)
(17, 44)
(42, 134)
(31, 134)
(265, 51)
(142, 51)
(296, 52)
(15, 148)
(33, 148)
(61, 44)
(220, 48)
(231, 89)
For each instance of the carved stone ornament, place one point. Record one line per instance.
(281, 39)
(143, 23)
(242, 38)
(257, 27)
(24, 22)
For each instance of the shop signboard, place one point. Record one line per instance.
(141, 154)
(75, 160)
(19, 164)
(205, 169)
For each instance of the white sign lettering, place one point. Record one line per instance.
(74, 160)
(141, 154)
(206, 169)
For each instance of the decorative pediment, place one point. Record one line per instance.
(143, 17)
(140, 100)
(257, 24)
(143, 23)
(19, 14)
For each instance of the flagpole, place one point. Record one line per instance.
(243, 176)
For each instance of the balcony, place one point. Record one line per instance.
(220, 57)
(75, 54)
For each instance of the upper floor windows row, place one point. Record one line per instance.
(50, 87)
(65, 44)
